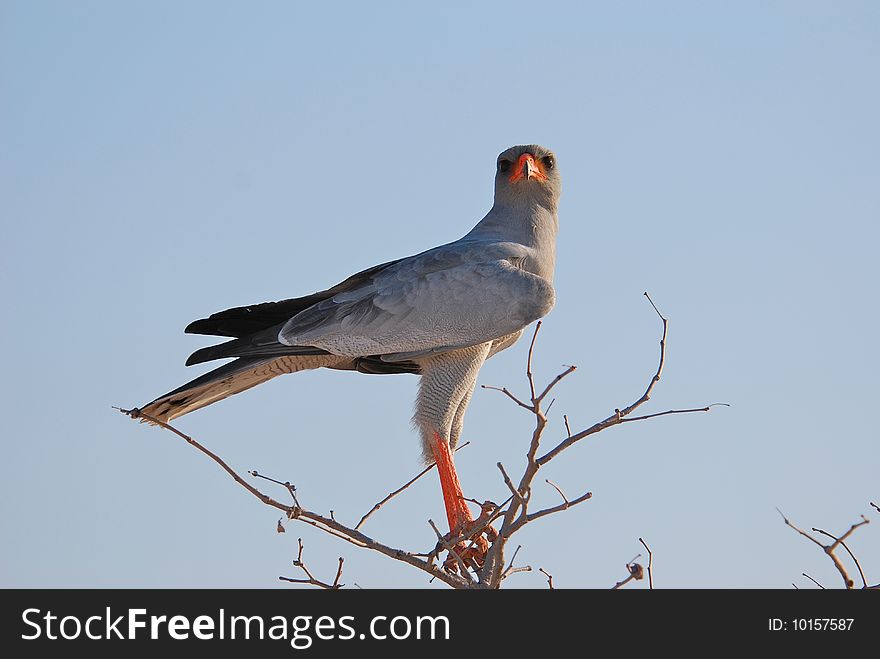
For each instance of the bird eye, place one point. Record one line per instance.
(504, 165)
(549, 162)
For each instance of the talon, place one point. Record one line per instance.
(473, 550)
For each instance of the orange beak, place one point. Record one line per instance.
(527, 168)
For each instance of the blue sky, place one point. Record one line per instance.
(160, 161)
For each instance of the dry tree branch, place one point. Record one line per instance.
(549, 577)
(517, 515)
(510, 570)
(811, 579)
(848, 551)
(830, 549)
(568, 371)
(509, 483)
(565, 505)
(557, 488)
(290, 488)
(299, 513)
(650, 564)
(401, 489)
(529, 360)
(506, 392)
(298, 562)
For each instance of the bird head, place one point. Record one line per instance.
(528, 173)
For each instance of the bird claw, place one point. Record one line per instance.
(473, 541)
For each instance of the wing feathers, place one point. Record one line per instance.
(242, 321)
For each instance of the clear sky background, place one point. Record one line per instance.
(160, 161)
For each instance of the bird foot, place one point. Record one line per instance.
(472, 541)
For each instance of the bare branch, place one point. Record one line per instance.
(269, 501)
(325, 524)
(813, 580)
(852, 528)
(557, 488)
(549, 577)
(568, 371)
(311, 580)
(506, 392)
(529, 361)
(336, 583)
(555, 509)
(286, 484)
(509, 484)
(844, 545)
(650, 563)
(401, 489)
(514, 570)
(803, 533)
(687, 411)
(830, 549)
(513, 558)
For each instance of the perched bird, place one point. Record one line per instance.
(439, 314)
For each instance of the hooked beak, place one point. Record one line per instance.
(527, 168)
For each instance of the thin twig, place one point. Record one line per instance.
(687, 411)
(549, 577)
(286, 484)
(513, 558)
(650, 564)
(529, 361)
(401, 489)
(568, 371)
(531, 517)
(137, 414)
(803, 533)
(509, 483)
(298, 562)
(557, 488)
(506, 392)
(336, 583)
(512, 570)
(813, 580)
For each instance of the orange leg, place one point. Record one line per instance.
(457, 512)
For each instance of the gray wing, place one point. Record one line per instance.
(453, 296)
